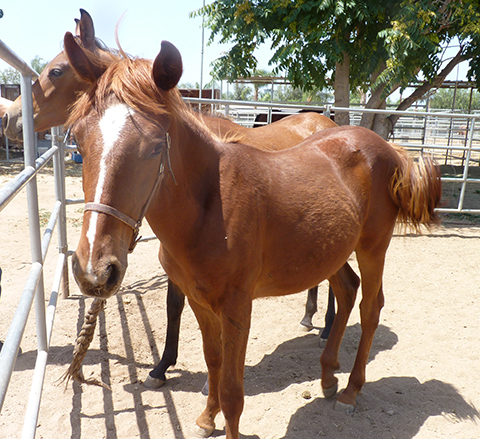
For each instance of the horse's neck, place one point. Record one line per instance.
(191, 177)
(194, 149)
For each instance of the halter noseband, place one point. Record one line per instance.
(109, 210)
(134, 225)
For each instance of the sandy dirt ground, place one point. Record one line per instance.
(422, 377)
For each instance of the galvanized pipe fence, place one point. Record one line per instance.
(427, 132)
(34, 290)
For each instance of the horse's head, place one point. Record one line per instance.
(121, 127)
(57, 87)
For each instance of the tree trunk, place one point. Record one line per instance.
(382, 126)
(342, 89)
(370, 120)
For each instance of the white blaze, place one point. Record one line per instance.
(111, 125)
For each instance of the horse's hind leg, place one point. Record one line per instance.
(175, 304)
(345, 284)
(329, 317)
(310, 308)
(371, 269)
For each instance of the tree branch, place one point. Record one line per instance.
(427, 86)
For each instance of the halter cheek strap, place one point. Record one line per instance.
(134, 225)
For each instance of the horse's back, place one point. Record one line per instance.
(288, 131)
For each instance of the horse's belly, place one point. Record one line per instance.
(295, 266)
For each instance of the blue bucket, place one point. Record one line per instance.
(76, 157)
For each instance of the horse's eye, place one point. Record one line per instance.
(55, 73)
(158, 149)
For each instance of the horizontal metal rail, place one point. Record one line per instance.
(10, 57)
(467, 149)
(11, 189)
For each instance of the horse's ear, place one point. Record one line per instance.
(167, 67)
(80, 61)
(85, 30)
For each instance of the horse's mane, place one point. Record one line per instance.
(130, 80)
(230, 136)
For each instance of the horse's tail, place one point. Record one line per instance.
(416, 189)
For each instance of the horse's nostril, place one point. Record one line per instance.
(113, 276)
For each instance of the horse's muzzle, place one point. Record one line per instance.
(12, 127)
(102, 281)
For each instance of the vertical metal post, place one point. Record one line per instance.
(467, 163)
(213, 106)
(269, 115)
(201, 60)
(328, 110)
(59, 174)
(33, 211)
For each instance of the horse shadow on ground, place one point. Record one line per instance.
(401, 405)
(298, 360)
(293, 362)
(390, 407)
(62, 355)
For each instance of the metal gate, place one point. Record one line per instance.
(34, 290)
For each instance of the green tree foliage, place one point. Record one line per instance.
(239, 92)
(38, 64)
(9, 76)
(444, 98)
(377, 45)
(289, 93)
(12, 76)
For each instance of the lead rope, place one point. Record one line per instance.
(81, 347)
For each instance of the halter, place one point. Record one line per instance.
(135, 225)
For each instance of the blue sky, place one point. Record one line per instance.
(33, 27)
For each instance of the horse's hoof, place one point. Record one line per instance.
(153, 383)
(342, 407)
(304, 327)
(331, 391)
(323, 342)
(201, 432)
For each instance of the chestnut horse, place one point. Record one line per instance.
(56, 90)
(235, 222)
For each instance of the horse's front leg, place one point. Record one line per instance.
(236, 320)
(210, 327)
(175, 305)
